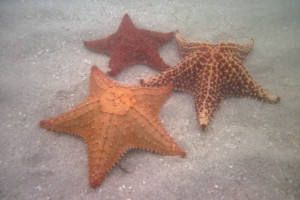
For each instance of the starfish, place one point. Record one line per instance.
(114, 119)
(130, 45)
(211, 72)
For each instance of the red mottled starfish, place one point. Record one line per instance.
(211, 72)
(114, 119)
(130, 45)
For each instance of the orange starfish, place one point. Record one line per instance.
(115, 119)
(130, 45)
(211, 72)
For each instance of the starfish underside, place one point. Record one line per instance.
(211, 72)
(115, 119)
(130, 45)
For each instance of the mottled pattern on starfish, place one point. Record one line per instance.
(115, 119)
(130, 45)
(211, 72)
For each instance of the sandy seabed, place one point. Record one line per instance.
(251, 149)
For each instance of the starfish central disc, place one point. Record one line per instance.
(117, 101)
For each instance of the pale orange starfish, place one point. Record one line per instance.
(211, 72)
(114, 119)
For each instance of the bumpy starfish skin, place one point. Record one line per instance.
(130, 45)
(115, 119)
(211, 72)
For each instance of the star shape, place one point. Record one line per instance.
(114, 119)
(130, 45)
(211, 72)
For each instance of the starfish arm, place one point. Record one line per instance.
(148, 133)
(207, 94)
(148, 55)
(261, 94)
(105, 45)
(182, 75)
(186, 47)
(158, 80)
(152, 98)
(104, 149)
(99, 82)
(244, 85)
(240, 51)
(206, 101)
(78, 121)
(157, 39)
(182, 44)
(126, 25)
(124, 133)
(120, 60)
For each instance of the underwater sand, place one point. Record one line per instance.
(250, 150)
